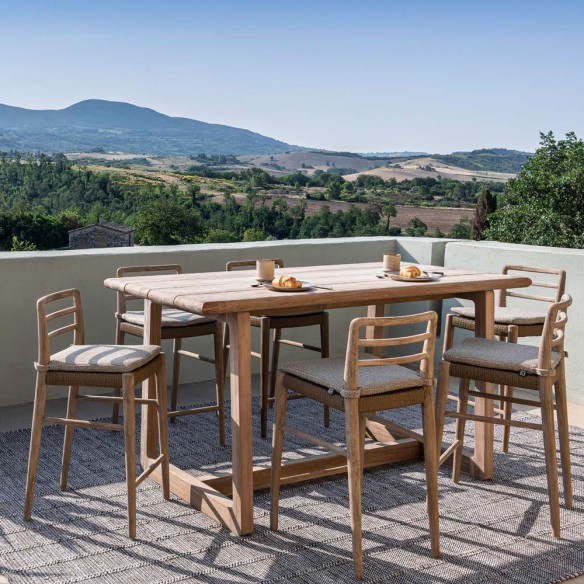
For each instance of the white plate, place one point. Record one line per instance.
(416, 279)
(306, 286)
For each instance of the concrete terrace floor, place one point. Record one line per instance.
(19, 416)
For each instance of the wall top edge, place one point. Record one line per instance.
(499, 245)
(165, 249)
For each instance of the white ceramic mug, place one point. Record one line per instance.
(265, 270)
(391, 262)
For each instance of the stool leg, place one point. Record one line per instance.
(68, 441)
(441, 400)
(35, 441)
(163, 427)
(176, 347)
(264, 372)
(564, 435)
(507, 391)
(355, 480)
(324, 353)
(431, 463)
(460, 426)
(275, 359)
(277, 445)
(120, 340)
(448, 333)
(225, 349)
(549, 442)
(220, 380)
(130, 443)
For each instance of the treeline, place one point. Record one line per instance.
(330, 185)
(41, 199)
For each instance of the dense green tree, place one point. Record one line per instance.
(479, 220)
(166, 222)
(416, 228)
(544, 205)
(461, 230)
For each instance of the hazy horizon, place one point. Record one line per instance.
(370, 76)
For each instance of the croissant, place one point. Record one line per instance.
(410, 272)
(286, 282)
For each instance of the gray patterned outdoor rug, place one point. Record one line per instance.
(496, 531)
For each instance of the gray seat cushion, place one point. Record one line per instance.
(372, 380)
(507, 315)
(170, 317)
(497, 355)
(103, 358)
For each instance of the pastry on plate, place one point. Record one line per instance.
(286, 282)
(410, 272)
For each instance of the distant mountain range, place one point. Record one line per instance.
(115, 126)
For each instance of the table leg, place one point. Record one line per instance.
(149, 432)
(241, 422)
(483, 457)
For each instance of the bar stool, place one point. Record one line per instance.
(511, 323)
(536, 368)
(277, 323)
(176, 325)
(357, 385)
(112, 366)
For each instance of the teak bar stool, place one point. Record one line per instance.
(358, 385)
(277, 323)
(113, 366)
(176, 325)
(537, 368)
(511, 323)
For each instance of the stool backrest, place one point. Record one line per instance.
(553, 336)
(229, 266)
(123, 298)
(425, 357)
(45, 322)
(558, 284)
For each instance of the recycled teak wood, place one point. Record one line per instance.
(229, 296)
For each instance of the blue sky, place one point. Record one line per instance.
(360, 75)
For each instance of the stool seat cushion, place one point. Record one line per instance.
(103, 358)
(329, 373)
(500, 355)
(170, 317)
(506, 315)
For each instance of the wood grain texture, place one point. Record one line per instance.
(230, 296)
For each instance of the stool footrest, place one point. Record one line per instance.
(149, 469)
(83, 423)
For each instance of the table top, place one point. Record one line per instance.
(213, 293)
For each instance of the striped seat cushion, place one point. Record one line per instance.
(103, 358)
(493, 354)
(170, 317)
(371, 380)
(506, 315)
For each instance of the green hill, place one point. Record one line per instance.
(123, 127)
(491, 159)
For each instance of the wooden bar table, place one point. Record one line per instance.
(229, 296)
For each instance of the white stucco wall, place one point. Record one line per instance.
(25, 276)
